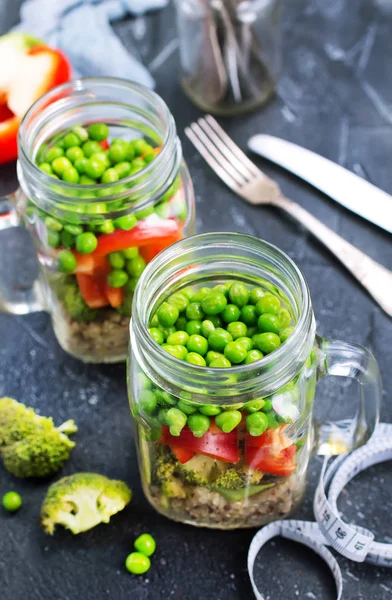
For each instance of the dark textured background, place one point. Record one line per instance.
(335, 97)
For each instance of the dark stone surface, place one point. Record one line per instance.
(335, 98)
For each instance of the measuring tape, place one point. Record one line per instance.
(353, 542)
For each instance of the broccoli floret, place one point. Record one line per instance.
(165, 464)
(200, 470)
(30, 445)
(82, 501)
(73, 302)
(230, 479)
(252, 476)
(172, 488)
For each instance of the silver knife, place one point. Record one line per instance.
(353, 192)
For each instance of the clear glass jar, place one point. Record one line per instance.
(230, 480)
(230, 52)
(91, 318)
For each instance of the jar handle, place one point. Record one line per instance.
(342, 359)
(15, 299)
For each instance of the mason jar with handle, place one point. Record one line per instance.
(103, 189)
(193, 468)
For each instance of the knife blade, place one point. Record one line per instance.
(343, 186)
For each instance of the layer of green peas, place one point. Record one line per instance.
(220, 326)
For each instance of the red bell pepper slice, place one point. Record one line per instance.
(272, 452)
(91, 265)
(149, 252)
(181, 454)
(92, 290)
(114, 295)
(145, 232)
(222, 446)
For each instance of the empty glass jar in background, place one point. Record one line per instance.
(230, 52)
(131, 220)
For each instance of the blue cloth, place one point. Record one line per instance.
(81, 28)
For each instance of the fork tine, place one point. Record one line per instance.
(234, 148)
(218, 155)
(215, 166)
(225, 150)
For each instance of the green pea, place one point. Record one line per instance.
(255, 295)
(156, 335)
(268, 322)
(180, 300)
(195, 359)
(285, 333)
(194, 311)
(197, 343)
(110, 176)
(122, 169)
(167, 314)
(98, 131)
(85, 180)
(46, 168)
(136, 266)
(117, 278)
(70, 140)
(212, 355)
(239, 294)
(80, 132)
(126, 222)
(67, 239)
(70, 175)
(95, 167)
(246, 342)
(253, 356)
(140, 147)
(106, 226)
(181, 323)
(220, 363)
(86, 243)
(284, 317)
(104, 157)
(201, 294)
(61, 164)
(138, 163)
(248, 315)
(80, 165)
(53, 153)
(231, 313)
(116, 260)
(210, 410)
(11, 501)
(132, 252)
(256, 423)
(53, 238)
(145, 543)
(148, 402)
(222, 288)
(216, 320)
(214, 303)
(137, 563)
(266, 342)
(219, 339)
(168, 331)
(237, 329)
(251, 331)
(74, 229)
(198, 424)
(91, 147)
(176, 421)
(178, 351)
(235, 352)
(193, 327)
(74, 153)
(154, 322)
(179, 337)
(273, 423)
(268, 304)
(66, 261)
(118, 153)
(163, 210)
(254, 405)
(53, 224)
(149, 157)
(186, 408)
(228, 420)
(267, 406)
(207, 327)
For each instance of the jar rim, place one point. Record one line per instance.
(53, 101)
(264, 373)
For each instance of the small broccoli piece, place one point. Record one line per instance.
(165, 464)
(200, 470)
(30, 445)
(73, 302)
(252, 476)
(172, 488)
(230, 479)
(82, 501)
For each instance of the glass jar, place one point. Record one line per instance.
(230, 52)
(238, 479)
(131, 219)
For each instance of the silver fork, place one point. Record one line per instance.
(244, 178)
